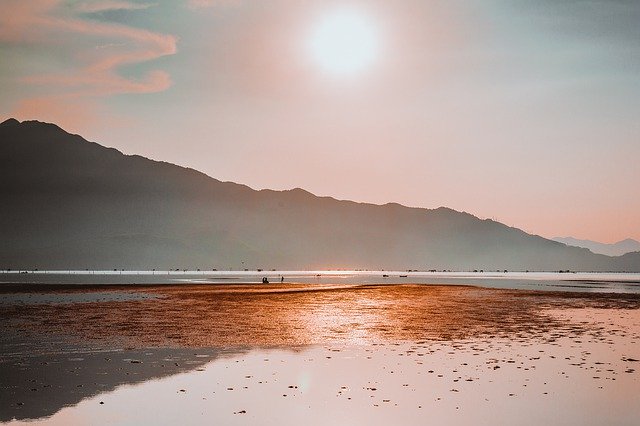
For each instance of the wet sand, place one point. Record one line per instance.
(285, 354)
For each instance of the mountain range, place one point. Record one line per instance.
(616, 249)
(68, 203)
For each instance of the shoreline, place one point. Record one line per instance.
(610, 283)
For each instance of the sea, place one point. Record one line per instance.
(545, 281)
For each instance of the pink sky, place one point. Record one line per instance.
(523, 114)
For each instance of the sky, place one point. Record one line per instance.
(524, 111)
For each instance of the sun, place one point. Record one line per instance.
(344, 42)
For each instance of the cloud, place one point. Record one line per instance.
(18, 19)
(97, 72)
(101, 73)
(106, 5)
(71, 94)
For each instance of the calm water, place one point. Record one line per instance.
(472, 382)
(551, 281)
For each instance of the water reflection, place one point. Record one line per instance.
(474, 381)
(35, 387)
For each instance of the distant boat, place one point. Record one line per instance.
(385, 276)
(403, 276)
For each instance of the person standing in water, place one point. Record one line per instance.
(281, 279)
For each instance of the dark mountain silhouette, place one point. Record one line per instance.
(616, 249)
(70, 203)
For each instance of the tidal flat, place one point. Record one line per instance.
(317, 354)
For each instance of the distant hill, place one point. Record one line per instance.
(70, 203)
(616, 249)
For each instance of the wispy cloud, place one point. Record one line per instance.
(101, 73)
(106, 5)
(42, 19)
(100, 50)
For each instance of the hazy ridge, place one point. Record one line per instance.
(70, 203)
(616, 249)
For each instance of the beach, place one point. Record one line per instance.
(317, 354)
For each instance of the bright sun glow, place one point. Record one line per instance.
(344, 42)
